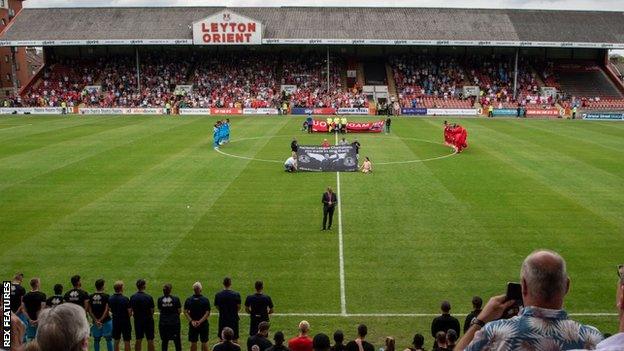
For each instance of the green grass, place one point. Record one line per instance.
(130, 197)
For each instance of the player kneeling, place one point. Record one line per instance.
(367, 166)
(290, 165)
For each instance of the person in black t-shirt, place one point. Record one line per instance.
(477, 302)
(228, 302)
(142, 306)
(320, 342)
(57, 298)
(279, 339)
(120, 307)
(338, 341)
(197, 311)
(261, 338)
(17, 293)
(100, 314)
(33, 302)
(77, 295)
(445, 321)
(388, 123)
(353, 345)
(259, 306)
(169, 323)
(356, 145)
(227, 343)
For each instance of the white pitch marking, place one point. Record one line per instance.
(321, 314)
(343, 297)
(23, 125)
(378, 163)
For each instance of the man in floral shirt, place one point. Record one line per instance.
(542, 324)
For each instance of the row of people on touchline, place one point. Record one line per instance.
(140, 306)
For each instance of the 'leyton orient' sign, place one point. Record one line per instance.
(227, 28)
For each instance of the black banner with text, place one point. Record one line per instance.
(327, 159)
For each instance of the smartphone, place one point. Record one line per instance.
(514, 292)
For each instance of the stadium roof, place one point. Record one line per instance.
(322, 25)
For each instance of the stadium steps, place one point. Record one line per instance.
(391, 83)
(588, 84)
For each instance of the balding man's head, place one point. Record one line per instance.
(544, 279)
(304, 327)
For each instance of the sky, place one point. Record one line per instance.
(603, 5)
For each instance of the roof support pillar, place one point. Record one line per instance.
(515, 82)
(138, 69)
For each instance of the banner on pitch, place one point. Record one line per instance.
(327, 159)
(352, 127)
(606, 116)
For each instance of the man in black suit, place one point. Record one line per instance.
(329, 204)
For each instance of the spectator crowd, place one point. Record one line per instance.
(532, 320)
(255, 80)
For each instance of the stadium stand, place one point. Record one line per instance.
(459, 48)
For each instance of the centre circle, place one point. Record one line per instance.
(225, 153)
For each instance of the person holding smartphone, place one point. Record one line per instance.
(544, 285)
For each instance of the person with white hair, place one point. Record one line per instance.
(197, 311)
(63, 328)
(301, 342)
(542, 323)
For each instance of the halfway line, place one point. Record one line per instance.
(343, 297)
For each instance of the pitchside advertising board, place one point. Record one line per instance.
(327, 159)
(227, 28)
(604, 116)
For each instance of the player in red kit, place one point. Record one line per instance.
(460, 138)
(447, 134)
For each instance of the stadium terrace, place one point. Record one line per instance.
(270, 60)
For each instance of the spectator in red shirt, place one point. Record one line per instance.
(302, 342)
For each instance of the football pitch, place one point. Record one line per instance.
(148, 197)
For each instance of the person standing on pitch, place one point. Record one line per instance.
(120, 307)
(142, 306)
(228, 302)
(197, 311)
(329, 200)
(100, 314)
(310, 123)
(388, 123)
(356, 146)
(77, 295)
(169, 325)
(259, 306)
